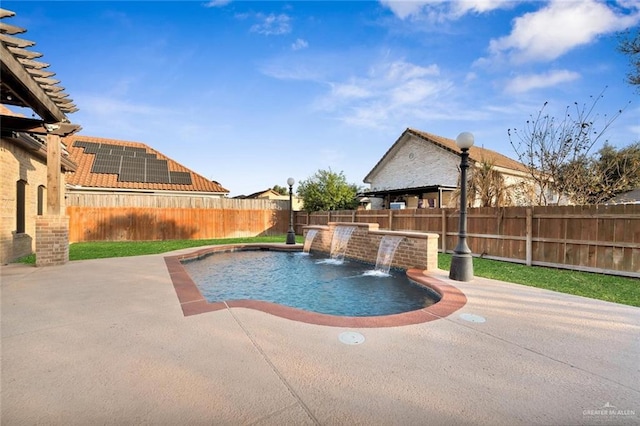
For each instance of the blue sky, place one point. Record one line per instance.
(250, 93)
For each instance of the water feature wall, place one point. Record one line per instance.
(416, 250)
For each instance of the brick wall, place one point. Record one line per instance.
(416, 250)
(15, 164)
(52, 240)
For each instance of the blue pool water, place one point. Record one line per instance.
(307, 281)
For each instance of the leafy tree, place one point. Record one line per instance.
(547, 144)
(593, 180)
(630, 45)
(327, 190)
(280, 190)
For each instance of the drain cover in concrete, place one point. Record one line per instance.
(472, 318)
(351, 338)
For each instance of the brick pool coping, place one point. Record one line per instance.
(193, 303)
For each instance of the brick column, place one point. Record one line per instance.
(52, 240)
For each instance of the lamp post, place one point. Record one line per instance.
(461, 262)
(291, 235)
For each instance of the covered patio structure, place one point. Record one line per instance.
(27, 84)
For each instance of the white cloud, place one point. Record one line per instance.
(217, 3)
(438, 10)
(403, 9)
(557, 28)
(349, 91)
(390, 90)
(299, 44)
(272, 24)
(525, 83)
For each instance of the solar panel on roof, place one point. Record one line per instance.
(157, 171)
(146, 155)
(91, 148)
(106, 164)
(180, 178)
(132, 170)
(134, 149)
(132, 164)
(83, 144)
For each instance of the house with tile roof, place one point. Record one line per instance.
(422, 170)
(110, 166)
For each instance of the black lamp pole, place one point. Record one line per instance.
(461, 261)
(291, 235)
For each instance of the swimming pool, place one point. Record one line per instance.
(192, 302)
(311, 282)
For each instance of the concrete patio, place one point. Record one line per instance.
(106, 342)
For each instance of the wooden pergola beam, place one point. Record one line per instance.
(40, 102)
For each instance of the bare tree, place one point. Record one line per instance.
(630, 45)
(547, 144)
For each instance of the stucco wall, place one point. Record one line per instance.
(416, 163)
(15, 164)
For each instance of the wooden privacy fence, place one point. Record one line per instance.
(589, 238)
(148, 223)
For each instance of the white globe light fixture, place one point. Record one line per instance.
(461, 261)
(465, 140)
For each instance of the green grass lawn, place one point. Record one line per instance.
(596, 286)
(105, 249)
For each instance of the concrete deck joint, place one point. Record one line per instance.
(264, 356)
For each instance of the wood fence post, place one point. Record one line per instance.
(353, 216)
(390, 219)
(443, 243)
(529, 226)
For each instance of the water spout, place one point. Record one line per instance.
(339, 241)
(308, 240)
(387, 249)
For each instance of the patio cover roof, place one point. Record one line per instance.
(25, 83)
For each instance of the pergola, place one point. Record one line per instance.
(26, 83)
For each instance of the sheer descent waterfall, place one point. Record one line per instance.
(340, 240)
(308, 240)
(386, 251)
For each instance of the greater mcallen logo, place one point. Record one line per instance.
(608, 410)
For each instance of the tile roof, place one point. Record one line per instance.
(84, 177)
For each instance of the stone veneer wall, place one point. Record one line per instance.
(52, 240)
(417, 250)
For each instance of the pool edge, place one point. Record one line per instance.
(193, 303)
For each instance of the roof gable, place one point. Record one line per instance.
(477, 154)
(142, 168)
